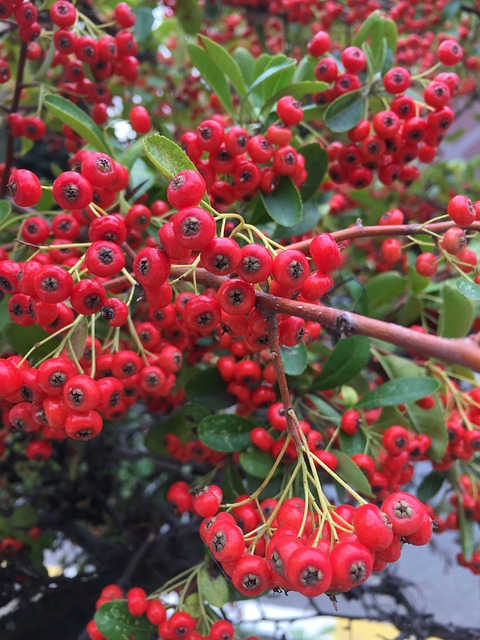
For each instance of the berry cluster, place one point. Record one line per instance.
(280, 544)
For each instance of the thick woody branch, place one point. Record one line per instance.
(464, 351)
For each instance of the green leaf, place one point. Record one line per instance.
(116, 623)
(271, 72)
(431, 421)
(316, 163)
(352, 474)
(345, 112)
(245, 61)
(232, 484)
(5, 209)
(284, 205)
(382, 291)
(430, 486)
(227, 63)
(225, 432)
(468, 288)
(257, 463)
(349, 357)
(167, 156)
(296, 90)
(5, 318)
(467, 534)
(399, 391)
(327, 412)
(375, 53)
(22, 339)
(352, 444)
(212, 74)
(367, 29)
(71, 115)
(213, 588)
(305, 70)
(190, 16)
(294, 359)
(389, 31)
(143, 23)
(207, 388)
(456, 314)
(181, 422)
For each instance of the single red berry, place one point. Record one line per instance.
(25, 188)
(186, 189)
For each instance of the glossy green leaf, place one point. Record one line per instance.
(232, 484)
(468, 288)
(316, 163)
(367, 28)
(430, 486)
(352, 474)
(71, 115)
(190, 16)
(431, 421)
(143, 23)
(226, 63)
(167, 156)
(213, 587)
(456, 314)
(382, 291)
(305, 70)
(212, 75)
(399, 391)
(270, 73)
(225, 432)
(22, 339)
(389, 31)
(115, 623)
(348, 358)
(284, 205)
(294, 359)
(345, 112)
(207, 388)
(245, 61)
(277, 81)
(353, 444)
(256, 462)
(327, 412)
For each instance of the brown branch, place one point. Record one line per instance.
(464, 351)
(15, 102)
(378, 231)
(276, 357)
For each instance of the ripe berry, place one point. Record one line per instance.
(404, 511)
(461, 210)
(194, 228)
(104, 259)
(25, 188)
(72, 191)
(136, 601)
(325, 252)
(186, 189)
(140, 119)
(289, 110)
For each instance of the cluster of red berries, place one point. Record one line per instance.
(303, 554)
(178, 625)
(236, 165)
(78, 54)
